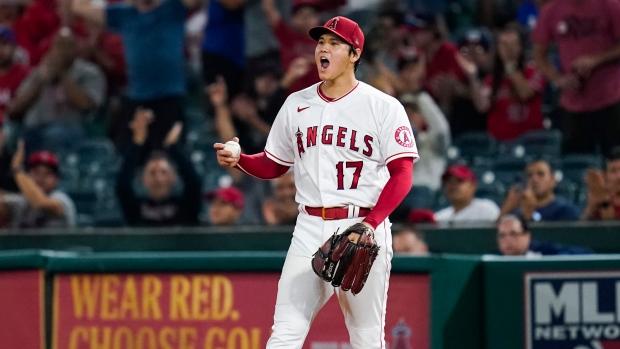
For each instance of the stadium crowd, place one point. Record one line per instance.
(109, 110)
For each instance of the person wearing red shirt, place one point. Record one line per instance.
(293, 38)
(512, 94)
(587, 36)
(11, 74)
(37, 27)
(445, 79)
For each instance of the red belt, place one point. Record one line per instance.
(329, 213)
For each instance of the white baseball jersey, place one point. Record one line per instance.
(340, 147)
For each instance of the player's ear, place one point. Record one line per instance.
(354, 55)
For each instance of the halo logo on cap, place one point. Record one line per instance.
(333, 23)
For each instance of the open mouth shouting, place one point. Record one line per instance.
(324, 63)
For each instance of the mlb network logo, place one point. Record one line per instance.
(572, 310)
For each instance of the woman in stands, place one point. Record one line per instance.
(512, 95)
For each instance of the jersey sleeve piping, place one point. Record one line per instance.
(278, 160)
(410, 154)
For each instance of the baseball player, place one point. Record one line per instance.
(352, 151)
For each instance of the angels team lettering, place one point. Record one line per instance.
(146, 311)
(331, 135)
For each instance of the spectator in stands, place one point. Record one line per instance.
(410, 77)
(409, 242)
(536, 200)
(37, 26)
(56, 97)
(223, 45)
(11, 73)
(226, 206)
(514, 239)
(421, 216)
(459, 185)
(475, 45)
(604, 190)
(153, 33)
(512, 94)
(281, 208)
(445, 79)
(161, 206)
(40, 204)
(105, 49)
(240, 116)
(587, 34)
(432, 137)
(294, 40)
(268, 86)
(383, 46)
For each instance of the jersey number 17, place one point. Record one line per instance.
(357, 165)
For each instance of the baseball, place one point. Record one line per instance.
(233, 147)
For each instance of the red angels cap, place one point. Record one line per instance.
(229, 195)
(345, 28)
(461, 172)
(421, 216)
(43, 158)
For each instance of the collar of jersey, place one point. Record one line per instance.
(331, 100)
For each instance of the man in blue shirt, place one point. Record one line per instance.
(514, 239)
(153, 33)
(537, 201)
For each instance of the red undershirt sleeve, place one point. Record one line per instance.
(260, 166)
(395, 190)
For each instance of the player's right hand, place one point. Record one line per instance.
(224, 157)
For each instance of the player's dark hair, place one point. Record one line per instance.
(352, 51)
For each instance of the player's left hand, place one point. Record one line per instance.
(224, 157)
(353, 237)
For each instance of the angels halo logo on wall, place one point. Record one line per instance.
(572, 310)
(404, 136)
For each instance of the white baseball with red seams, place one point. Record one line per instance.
(233, 147)
(339, 149)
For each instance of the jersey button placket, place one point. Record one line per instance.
(324, 164)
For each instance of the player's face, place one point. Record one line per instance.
(540, 178)
(511, 239)
(333, 58)
(612, 175)
(158, 178)
(222, 212)
(44, 177)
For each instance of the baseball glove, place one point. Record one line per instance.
(344, 263)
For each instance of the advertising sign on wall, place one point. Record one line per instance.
(21, 309)
(209, 311)
(572, 310)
